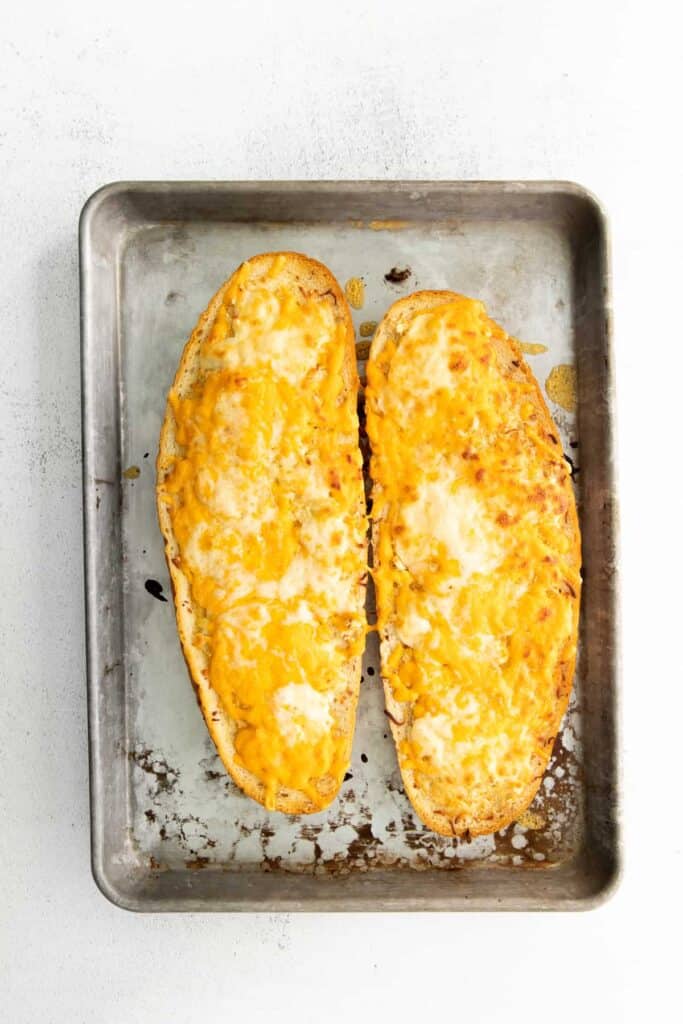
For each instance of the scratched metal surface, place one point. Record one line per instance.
(178, 815)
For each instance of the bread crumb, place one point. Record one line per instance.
(132, 473)
(355, 292)
(388, 225)
(368, 328)
(531, 819)
(532, 349)
(561, 386)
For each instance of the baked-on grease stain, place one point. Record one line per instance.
(396, 276)
(155, 588)
(166, 778)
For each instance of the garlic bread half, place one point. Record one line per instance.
(261, 506)
(476, 561)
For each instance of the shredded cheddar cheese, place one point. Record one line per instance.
(476, 578)
(265, 493)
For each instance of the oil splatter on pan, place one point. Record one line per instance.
(170, 830)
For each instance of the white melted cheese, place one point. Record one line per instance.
(230, 411)
(209, 562)
(412, 628)
(303, 613)
(247, 504)
(338, 589)
(428, 369)
(432, 736)
(322, 536)
(280, 347)
(302, 711)
(453, 515)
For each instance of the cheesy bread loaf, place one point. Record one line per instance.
(476, 561)
(261, 505)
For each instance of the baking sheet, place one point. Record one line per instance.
(176, 833)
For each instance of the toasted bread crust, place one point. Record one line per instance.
(503, 810)
(297, 272)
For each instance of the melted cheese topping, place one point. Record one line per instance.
(266, 502)
(476, 574)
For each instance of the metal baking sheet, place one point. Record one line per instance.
(170, 831)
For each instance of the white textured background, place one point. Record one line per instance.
(576, 90)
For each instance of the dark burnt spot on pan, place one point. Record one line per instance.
(573, 469)
(197, 863)
(348, 777)
(156, 766)
(155, 588)
(211, 776)
(394, 785)
(189, 832)
(146, 455)
(370, 670)
(172, 297)
(574, 444)
(397, 275)
(364, 839)
(364, 758)
(150, 815)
